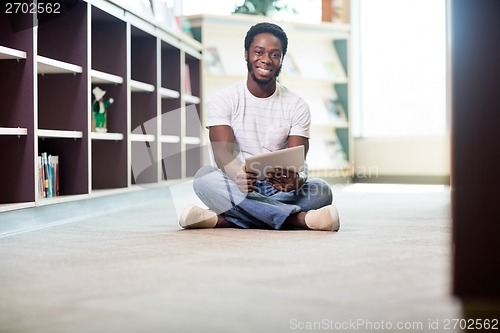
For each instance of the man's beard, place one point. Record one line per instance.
(260, 81)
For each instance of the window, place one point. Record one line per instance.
(399, 68)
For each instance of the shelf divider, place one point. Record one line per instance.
(8, 53)
(142, 137)
(106, 136)
(52, 66)
(170, 139)
(105, 78)
(137, 86)
(192, 140)
(169, 93)
(45, 133)
(191, 99)
(13, 131)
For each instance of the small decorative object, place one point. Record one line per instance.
(99, 110)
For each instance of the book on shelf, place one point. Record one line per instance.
(212, 61)
(336, 112)
(48, 175)
(336, 153)
(334, 70)
(187, 80)
(290, 67)
(327, 153)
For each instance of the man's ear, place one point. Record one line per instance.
(246, 55)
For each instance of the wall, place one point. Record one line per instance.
(411, 159)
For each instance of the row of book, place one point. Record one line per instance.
(48, 175)
(335, 110)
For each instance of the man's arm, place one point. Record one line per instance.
(296, 140)
(225, 153)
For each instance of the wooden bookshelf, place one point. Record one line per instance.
(48, 74)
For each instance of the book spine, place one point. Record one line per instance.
(40, 177)
(45, 168)
(51, 176)
(48, 175)
(56, 175)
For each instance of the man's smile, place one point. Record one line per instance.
(264, 71)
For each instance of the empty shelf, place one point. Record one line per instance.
(8, 53)
(52, 66)
(105, 78)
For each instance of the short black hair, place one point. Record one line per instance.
(266, 27)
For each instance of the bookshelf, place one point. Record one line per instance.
(316, 67)
(49, 72)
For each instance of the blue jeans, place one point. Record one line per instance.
(265, 208)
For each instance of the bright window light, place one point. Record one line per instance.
(401, 68)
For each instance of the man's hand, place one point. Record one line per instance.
(284, 180)
(245, 180)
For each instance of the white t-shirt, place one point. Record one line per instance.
(260, 124)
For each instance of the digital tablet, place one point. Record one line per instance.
(289, 158)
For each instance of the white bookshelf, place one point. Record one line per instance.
(99, 77)
(138, 86)
(106, 136)
(142, 137)
(53, 66)
(169, 93)
(13, 131)
(192, 140)
(170, 139)
(8, 53)
(61, 134)
(192, 99)
(97, 43)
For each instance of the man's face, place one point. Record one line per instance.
(264, 58)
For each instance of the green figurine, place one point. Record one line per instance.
(100, 108)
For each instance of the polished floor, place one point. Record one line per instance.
(132, 269)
